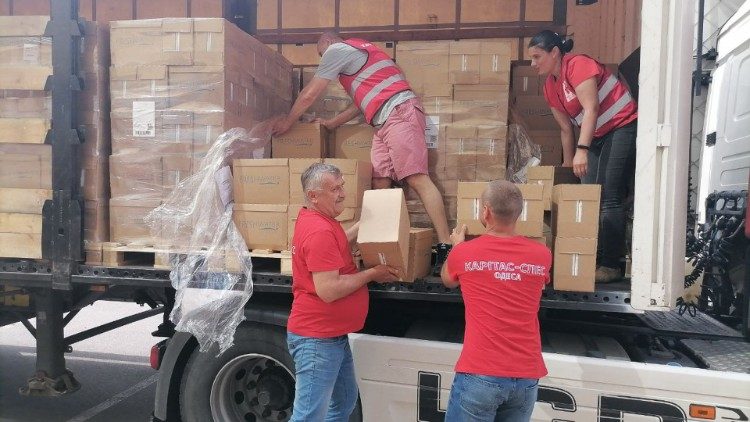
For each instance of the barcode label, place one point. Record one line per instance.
(432, 131)
(144, 119)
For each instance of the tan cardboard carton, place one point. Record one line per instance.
(136, 175)
(549, 176)
(526, 81)
(470, 206)
(357, 179)
(353, 142)
(531, 221)
(25, 166)
(383, 236)
(297, 166)
(464, 62)
(425, 63)
(535, 112)
(303, 140)
(152, 41)
(550, 145)
(96, 221)
(263, 226)
(420, 254)
(126, 220)
(261, 181)
(574, 264)
(575, 210)
(494, 62)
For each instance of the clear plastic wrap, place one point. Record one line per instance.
(212, 272)
(522, 153)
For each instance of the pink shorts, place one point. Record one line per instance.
(399, 149)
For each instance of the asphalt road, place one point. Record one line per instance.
(113, 368)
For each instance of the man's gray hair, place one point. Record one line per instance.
(504, 199)
(313, 176)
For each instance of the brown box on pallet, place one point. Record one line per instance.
(550, 145)
(23, 201)
(494, 63)
(263, 226)
(470, 206)
(353, 142)
(21, 235)
(357, 179)
(535, 112)
(297, 166)
(261, 181)
(25, 166)
(383, 236)
(575, 210)
(420, 254)
(95, 176)
(138, 175)
(96, 221)
(425, 63)
(480, 103)
(549, 176)
(126, 220)
(303, 140)
(574, 264)
(531, 221)
(526, 81)
(152, 41)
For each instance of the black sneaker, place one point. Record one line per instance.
(442, 250)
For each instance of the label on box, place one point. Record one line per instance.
(31, 53)
(144, 119)
(431, 131)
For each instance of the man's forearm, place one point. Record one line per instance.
(351, 112)
(568, 145)
(346, 285)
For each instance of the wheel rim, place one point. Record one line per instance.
(252, 388)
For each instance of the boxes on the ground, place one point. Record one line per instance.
(261, 181)
(531, 221)
(574, 264)
(470, 206)
(420, 254)
(575, 211)
(549, 176)
(297, 166)
(357, 179)
(353, 142)
(383, 235)
(263, 226)
(303, 140)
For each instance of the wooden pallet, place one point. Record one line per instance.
(130, 255)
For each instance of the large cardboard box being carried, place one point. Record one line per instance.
(574, 264)
(575, 211)
(357, 179)
(549, 176)
(383, 236)
(353, 142)
(263, 226)
(420, 254)
(303, 140)
(261, 181)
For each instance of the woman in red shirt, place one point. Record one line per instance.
(583, 92)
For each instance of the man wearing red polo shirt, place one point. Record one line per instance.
(330, 301)
(501, 277)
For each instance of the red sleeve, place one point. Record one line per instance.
(321, 253)
(581, 68)
(454, 262)
(551, 96)
(547, 277)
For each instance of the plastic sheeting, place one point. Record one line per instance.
(522, 153)
(212, 274)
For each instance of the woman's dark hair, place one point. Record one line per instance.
(547, 40)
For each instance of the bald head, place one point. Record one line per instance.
(504, 200)
(326, 39)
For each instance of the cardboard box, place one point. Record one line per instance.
(464, 62)
(263, 226)
(126, 220)
(261, 181)
(353, 142)
(303, 140)
(575, 210)
(25, 166)
(531, 221)
(550, 145)
(574, 265)
(297, 166)
(494, 63)
(420, 254)
(136, 175)
(383, 236)
(96, 221)
(470, 206)
(526, 81)
(425, 63)
(549, 176)
(535, 112)
(357, 179)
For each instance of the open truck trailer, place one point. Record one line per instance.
(621, 351)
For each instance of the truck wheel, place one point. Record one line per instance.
(252, 381)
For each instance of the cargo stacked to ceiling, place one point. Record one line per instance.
(25, 119)
(177, 84)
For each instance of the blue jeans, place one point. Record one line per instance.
(326, 388)
(479, 398)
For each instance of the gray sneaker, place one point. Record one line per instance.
(607, 275)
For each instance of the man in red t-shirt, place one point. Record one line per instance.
(502, 276)
(330, 301)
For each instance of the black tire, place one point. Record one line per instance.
(255, 346)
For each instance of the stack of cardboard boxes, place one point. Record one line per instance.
(25, 119)
(464, 88)
(176, 84)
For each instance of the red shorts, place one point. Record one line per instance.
(399, 149)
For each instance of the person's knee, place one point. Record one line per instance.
(381, 183)
(419, 182)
